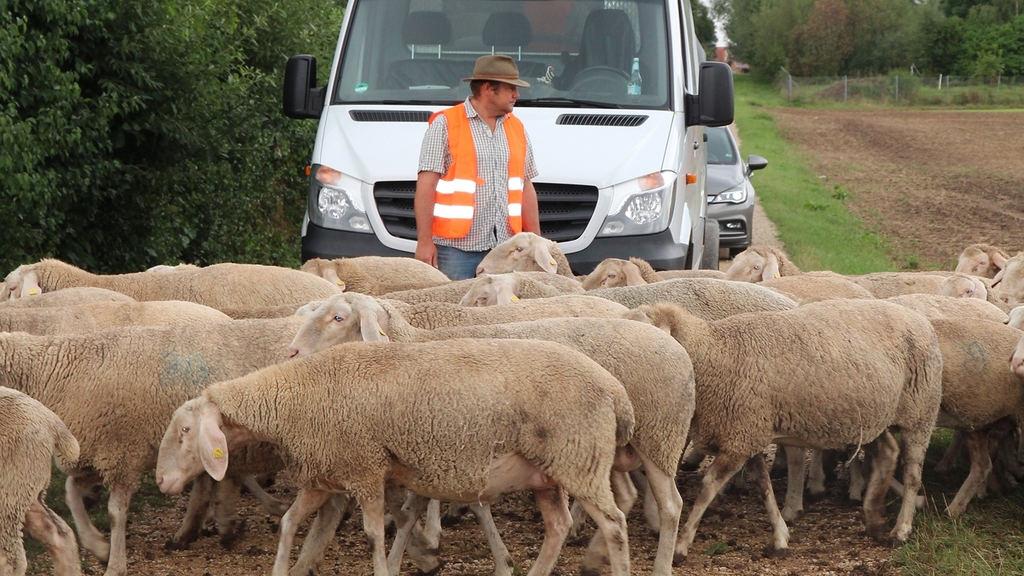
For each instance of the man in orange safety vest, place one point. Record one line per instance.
(474, 189)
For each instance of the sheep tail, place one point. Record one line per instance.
(67, 446)
(623, 419)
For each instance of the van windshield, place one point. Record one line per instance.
(574, 53)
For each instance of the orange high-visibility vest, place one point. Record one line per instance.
(454, 200)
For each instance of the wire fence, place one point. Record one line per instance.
(909, 90)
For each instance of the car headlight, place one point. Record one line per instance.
(639, 206)
(734, 195)
(336, 198)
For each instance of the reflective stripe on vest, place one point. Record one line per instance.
(454, 200)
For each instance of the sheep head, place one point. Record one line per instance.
(612, 273)
(524, 252)
(347, 317)
(492, 290)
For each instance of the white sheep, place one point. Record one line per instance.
(708, 298)
(433, 315)
(826, 375)
(376, 275)
(760, 262)
(525, 252)
(30, 436)
(654, 369)
(1009, 282)
(815, 286)
(526, 284)
(981, 260)
(354, 417)
(67, 297)
(1015, 318)
(494, 289)
(938, 306)
(218, 286)
(117, 388)
(615, 272)
(96, 316)
(888, 284)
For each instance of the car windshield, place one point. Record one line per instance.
(720, 148)
(574, 53)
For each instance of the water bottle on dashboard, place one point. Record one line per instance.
(633, 86)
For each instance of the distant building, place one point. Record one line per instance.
(722, 54)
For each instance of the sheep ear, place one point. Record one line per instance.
(999, 277)
(633, 277)
(30, 284)
(998, 259)
(331, 275)
(544, 259)
(213, 445)
(980, 291)
(771, 268)
(370, 328)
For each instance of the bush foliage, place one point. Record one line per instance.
(137, 133)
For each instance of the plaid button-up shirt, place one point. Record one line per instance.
(490, 214)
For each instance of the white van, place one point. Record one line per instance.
(620, 174)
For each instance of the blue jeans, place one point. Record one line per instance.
(458, 264)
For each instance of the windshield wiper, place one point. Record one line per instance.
(565, 102)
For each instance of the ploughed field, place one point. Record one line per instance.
(931, 182)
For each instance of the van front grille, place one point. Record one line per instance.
(389, 115)
(600, 120)
(565, 209)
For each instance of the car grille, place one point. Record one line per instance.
(565, 209)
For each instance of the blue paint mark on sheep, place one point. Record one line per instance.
(184, 369)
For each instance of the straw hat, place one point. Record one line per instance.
(497, 68)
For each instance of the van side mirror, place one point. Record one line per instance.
(713, 106)
(302, 99)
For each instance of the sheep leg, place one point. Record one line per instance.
(912, 448)
(92, 539)
(405, 517)
(51, 530)
(796, 473)
(117, 509)
(306, 502)
(883, 452)
(12, 550)
(757, 469)
(612, 524)
(320, 534)
(724, 467)
(956, 445)
(662, 491)
(692, 459)
(373, 525)
(857, 482)
(981, 467)
(651, 515)
(625, 495)
(273, 506)
(198, 499)
(228, 492)
(816, 473)
(554, 507)
(579, 519)
(429, 537)
(503, 563)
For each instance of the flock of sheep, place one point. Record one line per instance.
(380, 381)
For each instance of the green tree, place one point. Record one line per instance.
(823, 44)
(704, 26)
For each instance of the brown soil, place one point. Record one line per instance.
(931, 182)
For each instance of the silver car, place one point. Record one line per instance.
(730, 193)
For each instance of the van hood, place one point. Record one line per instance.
(564, 153)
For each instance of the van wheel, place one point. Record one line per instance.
(709, 258)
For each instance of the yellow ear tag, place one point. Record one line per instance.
(33, 292)
(515, 298)
(777, 275)
(552, 262)
(381, 330)
(340, 282)
(218, 453)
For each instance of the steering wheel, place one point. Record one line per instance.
(600, 80)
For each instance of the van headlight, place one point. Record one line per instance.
(735, 195)
(640, 206)
(335, 196)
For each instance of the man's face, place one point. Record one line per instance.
(503, 96)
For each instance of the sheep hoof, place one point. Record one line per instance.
(449, 521)
(687, 467)
(590, 572)
(433, 571)
(678, 559)
(879, 532)
(172, 545)
(772, 552)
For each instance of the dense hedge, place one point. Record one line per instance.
(138, 133)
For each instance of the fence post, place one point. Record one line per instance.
(897, 89)
(845, 89)
(940, 81)
(789, 78)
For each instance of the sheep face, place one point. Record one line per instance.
(612, 273)
(492, 290)
(981, 260)
(349, 317)
(192, 443)
(1010, 281)
(963, 286)
(524, 252)
(20, 283)
(751, 266)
